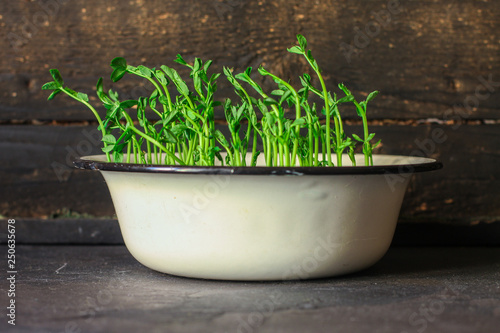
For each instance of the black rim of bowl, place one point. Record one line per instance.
(261, 170)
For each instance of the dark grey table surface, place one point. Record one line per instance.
(103, 289)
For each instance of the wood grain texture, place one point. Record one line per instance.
(38, 180)
(104, 289)
(37, 174)
(83, 231)
(436, 62)
(424, 56)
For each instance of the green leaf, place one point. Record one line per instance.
(197, 83)
(299, 122)
(295, 49)
(54, 94)
(214, 77)
(232, 80)
(169, 118)
(169, 137)
(141, 103)
(372, 95)
(357, 138)
(151, 129)
(221, 138)
(197, 64)
(129, 103)
(231, 112)
(227, 104)
(227, 71)
(182, 88)
(304, 94)
(262, 107)
(239, 114)
(112, 111)
(113, 95)
(204, 78)
(120, 147)
(109, 139)
(117, 156)
(307, 78)
(304, 83)
(154, 95)
(310, 57)
(302, 41)
(263, 71)
(270, 101)
(178, 129)
(344, 89)
(176, 78)
(143, 122)
(216, 152)
(163, 100)
(152, 104)
(180, 60)
(57, 77)
(345, 99)
(99, 86)
(270, 119)
(242, 77)
(71, 92)
(351, 155)
(285, 96)
(82, 96)
(254, 158)
(108, 149)
(167, 70)
(206, 66)
(52, 85)
(144, 71)
(191, 114)
(277, 92)
(118, 73)
(119, 62)
(161, 77)
(370, 137)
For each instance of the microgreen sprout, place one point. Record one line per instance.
(181, 130)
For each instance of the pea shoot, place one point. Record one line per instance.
(181, 130)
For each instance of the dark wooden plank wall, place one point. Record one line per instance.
(436, 63)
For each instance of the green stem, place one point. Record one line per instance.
(294, 153)
(129, 146)
(269, 156)
(327, 112)
(365, 131)
(151, 140)
(167, 94)
(134, 147)
(254, 147)
(316, 145)
(275, 153)
(99, 120)
(159, 90)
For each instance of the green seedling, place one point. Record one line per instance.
(175, 124)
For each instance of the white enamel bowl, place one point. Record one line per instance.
(259, 223)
